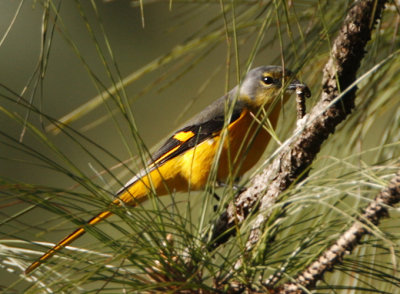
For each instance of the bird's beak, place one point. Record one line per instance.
(300, 88)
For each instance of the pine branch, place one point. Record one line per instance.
(348, 241)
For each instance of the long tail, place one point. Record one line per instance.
(134, 192)
(68, 240)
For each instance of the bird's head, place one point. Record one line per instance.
(264, 84)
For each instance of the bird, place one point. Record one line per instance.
(226, 137)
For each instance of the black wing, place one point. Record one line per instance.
(192, 135)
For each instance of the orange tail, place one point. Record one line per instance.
(134, 193)
(67, 240)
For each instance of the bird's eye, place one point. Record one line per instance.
(268, 80)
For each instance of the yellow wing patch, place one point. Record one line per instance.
(183, 136)
(165, 155)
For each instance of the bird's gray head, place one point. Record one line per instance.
(262, 85)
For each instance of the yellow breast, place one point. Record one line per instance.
(244, 143)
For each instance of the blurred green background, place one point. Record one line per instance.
(187, 54)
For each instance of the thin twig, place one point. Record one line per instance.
(301, 94)
(347, 241)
